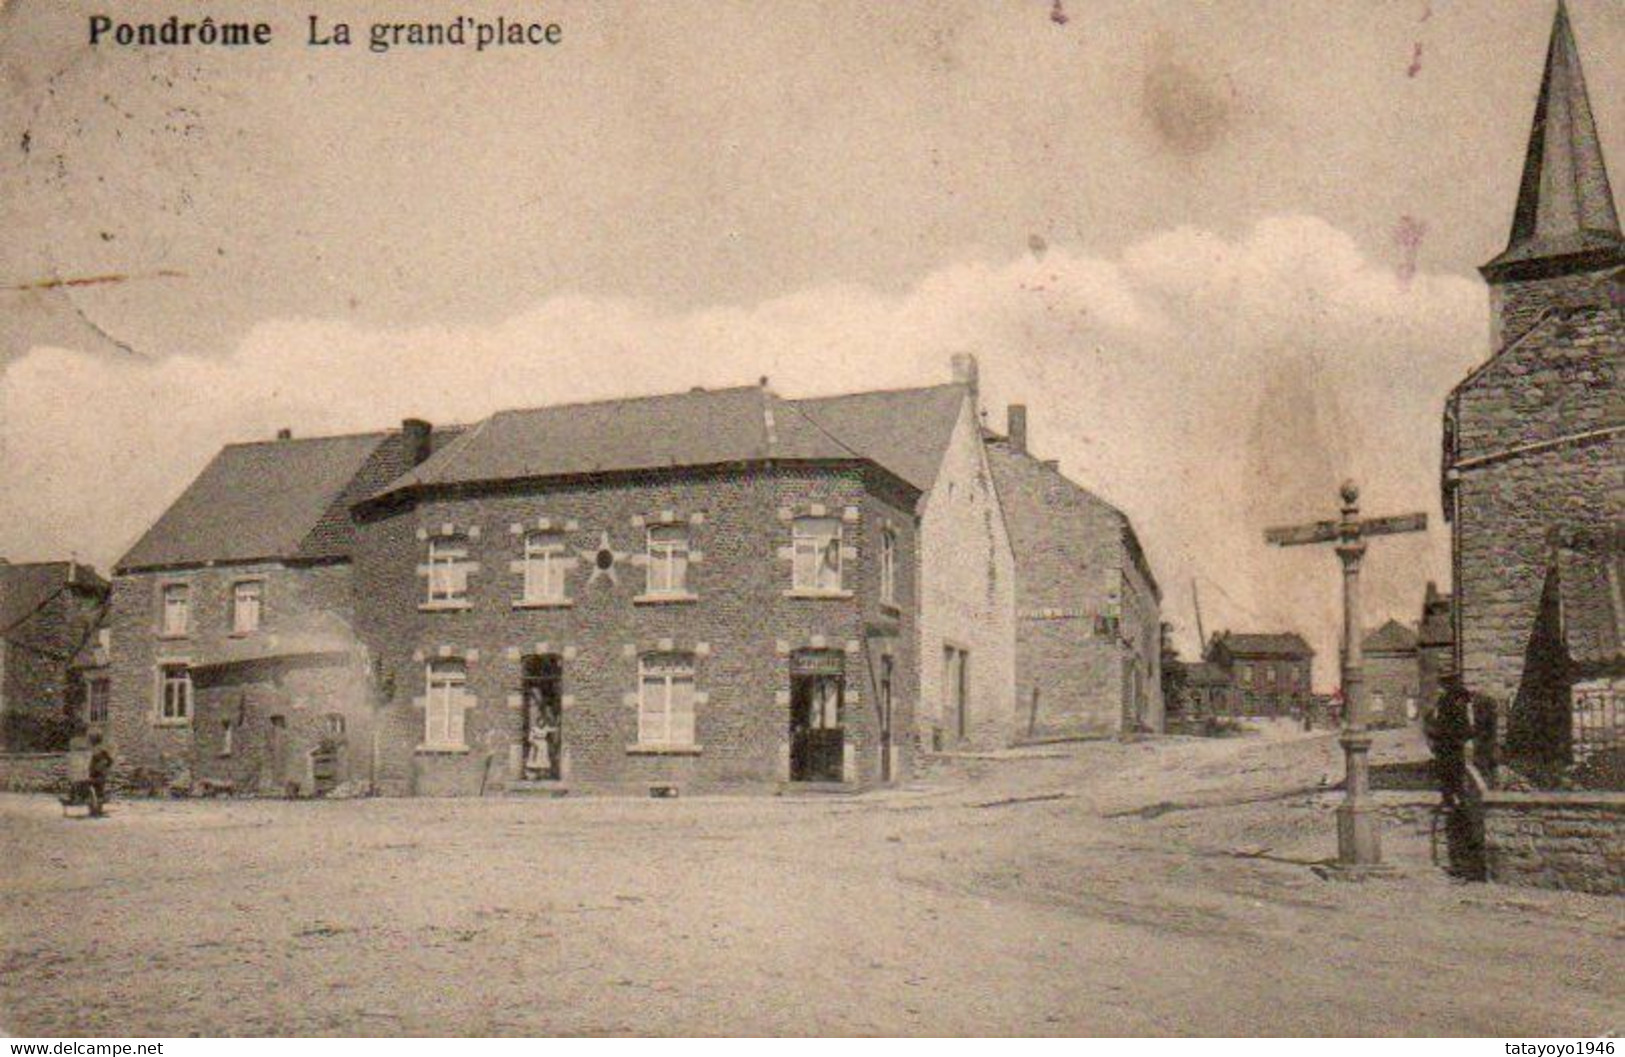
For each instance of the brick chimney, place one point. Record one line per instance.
(417, 432)
(1015, 424)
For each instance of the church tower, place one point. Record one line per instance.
(1534, 438)
(1565, 248)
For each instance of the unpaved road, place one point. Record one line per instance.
(1150, 888)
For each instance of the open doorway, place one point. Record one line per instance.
(817, 697)
(542, 687)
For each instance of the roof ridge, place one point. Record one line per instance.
(875, 392)
(820, 427)
(358, 435)
(668, 395)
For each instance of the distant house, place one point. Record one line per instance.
(1206, 689)
(1270, 671)
(1570, 704)
(1391, 675)
(1435, 646)
(1088, 608)
(48, 611)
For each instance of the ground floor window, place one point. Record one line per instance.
(175, 693)
(443, 706)
(666, 699)
(97, 695)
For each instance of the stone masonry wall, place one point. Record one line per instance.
(741, 625)
(1561, 381)
(1074, 672)
(1556, 840)
(33, 772)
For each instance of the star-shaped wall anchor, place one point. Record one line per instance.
(603, 559)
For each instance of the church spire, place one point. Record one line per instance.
(1565, 204)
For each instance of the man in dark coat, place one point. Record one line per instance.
(1449, 728)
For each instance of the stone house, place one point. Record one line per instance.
(1392, 675)
(1088, 608)
(229, 656)
(48, 611)
(1534, 438)
(1269, 672)
(1435, 646)
(701, 590)
(1206, 689)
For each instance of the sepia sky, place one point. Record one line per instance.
(1225, 251)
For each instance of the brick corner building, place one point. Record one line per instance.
(48, 613)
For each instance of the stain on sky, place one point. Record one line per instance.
(1187, 107)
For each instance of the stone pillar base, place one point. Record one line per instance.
(1336, 871)
(1359, 841)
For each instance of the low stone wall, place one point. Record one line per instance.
(33, 772)
(1565, 840)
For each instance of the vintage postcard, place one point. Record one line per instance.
(804, 519)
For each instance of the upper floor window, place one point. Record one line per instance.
(1246, 675)
(888, 566)
(448, 572)
(247, 597)
(544, 567)
(1269, 676)
(668, 560)
(817, 549)
(177, 618)
(443, 704)
(666, 699)
(175, 693)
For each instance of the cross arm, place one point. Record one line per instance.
(1299, 535)
(1388, 526)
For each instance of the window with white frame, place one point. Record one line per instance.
(443, 704)
(544, 567)
(448, 570)
(888, 565)
(247, 599)
(817, 554)
(177, 617)
(174, 693)
(668, 560)
(666, 699)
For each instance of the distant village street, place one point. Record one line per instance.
(1151, 886)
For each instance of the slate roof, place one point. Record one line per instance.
(1565, 204)
(278, 499)
(1591, 593)
(26, 586)
(1267, 644)
(1206, 673)
(905, 430)
(1392, 637)
(701, 427)
(254, 501)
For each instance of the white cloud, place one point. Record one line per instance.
(1208, 386)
